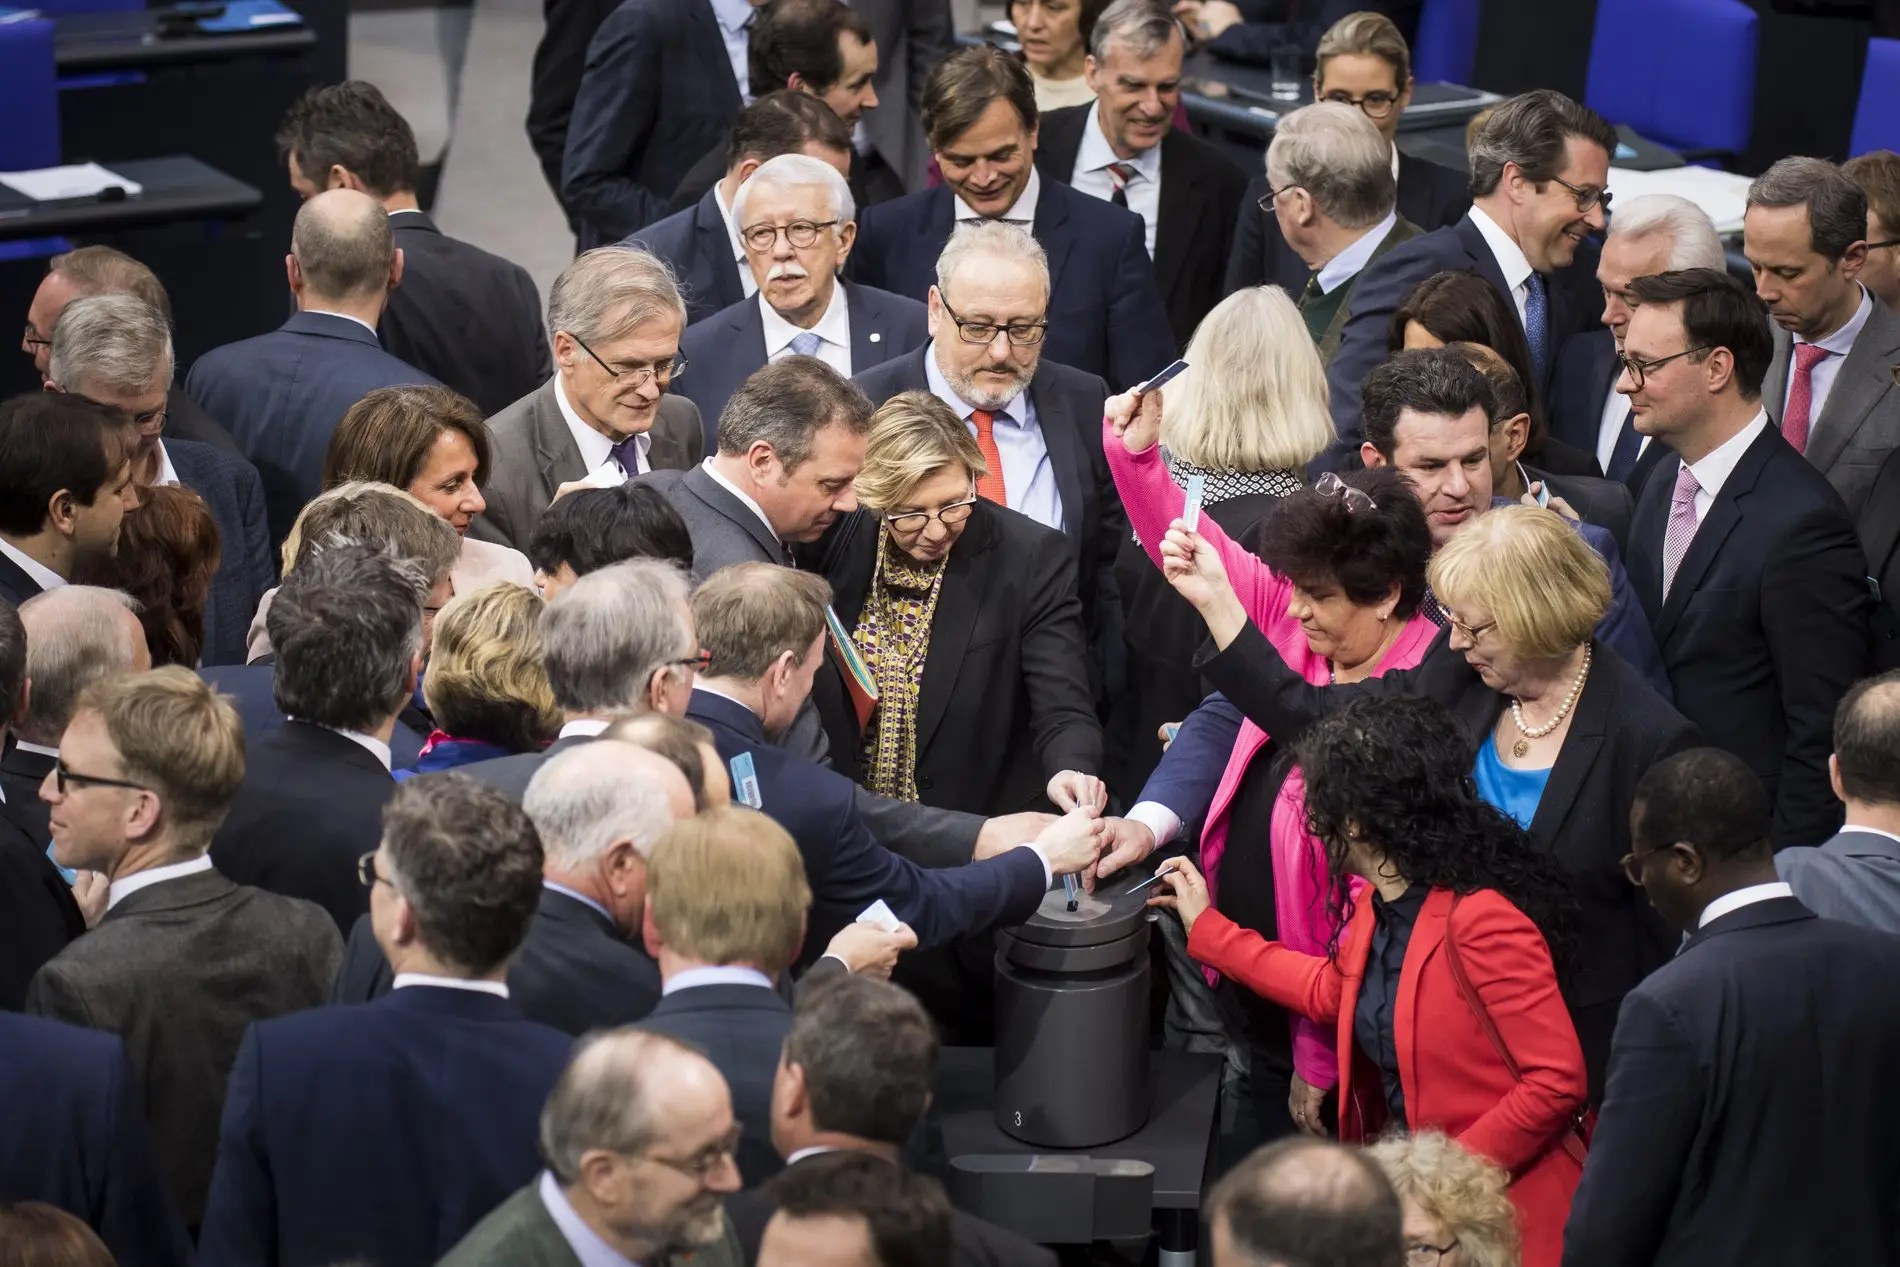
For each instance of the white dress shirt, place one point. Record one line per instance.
(747, 286)
(744, 498)
(814, 1151)
(1510, 257)
(597, 451)
(325, 312)
(729, 974)
(1023, 212)
(1827, 369)
(588, 726)
(1091, 177)
(43, 576)
(1029, 477)
(167, 473)
(1352, 261)
(119, 890)
(1157, 818)
(1719, 463)
(1729, 903)
(406, 979)
(834, 327)
(735, 21)
(370, 743)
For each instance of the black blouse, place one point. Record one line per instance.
(1372, 1020)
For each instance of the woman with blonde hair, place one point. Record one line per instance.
(486, 685)
(1456, 1210)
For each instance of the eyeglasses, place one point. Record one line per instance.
(1637, 370)
(1635, 864)
(1266, 200)
(949, 516)
(1357, 500)
(708, 1160)
(65, 779)
(639, 375)
(1471, 632)
(1420, 1254)
(32, 339)
(1024, 334)
(1889, 244)
(367, 874)
(698, 662)
(151, 420)
(1588, 196)
(800, 233)
(1376, 105)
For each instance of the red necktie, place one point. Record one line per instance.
(990, 487)
(1795, 418)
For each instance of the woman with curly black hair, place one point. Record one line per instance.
(1443, 989)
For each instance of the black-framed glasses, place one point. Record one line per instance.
(1024, 334)
(1889, 244)
(31, 338)
(1265, 201)
(1588, 197)
(1638, 370)
(1419, 1254)
(707, 1161)
(1357, 500)
(65, 778)
(635, 376)
(1471, 632)
(800, 233)
(949, 516)
(1375, 105)
(368, 875)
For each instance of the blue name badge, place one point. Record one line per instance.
(745, 782)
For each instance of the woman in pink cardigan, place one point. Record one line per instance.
(1336, 587)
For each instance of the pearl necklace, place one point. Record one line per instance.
(1521, 747)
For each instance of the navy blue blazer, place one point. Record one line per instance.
(846, 866)
(379, 1132)
(695, 245)
(253, 692)
(15, 585)
(726, 348)
(1580, 386)
(1106, 314)
(741, 1028)
(283, 393)
(234, 494)
(73, 1134)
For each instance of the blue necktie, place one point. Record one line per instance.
(1537, 329)
(807, 344)
(627, 453)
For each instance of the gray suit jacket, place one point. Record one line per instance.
(1860, 424)
(511, 775)
(532, 453)
(1853, 877)
(521, 1233)
(179, 971)
(912, 36)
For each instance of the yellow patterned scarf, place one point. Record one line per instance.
(893, 635)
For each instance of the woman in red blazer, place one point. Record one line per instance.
(1455, 890)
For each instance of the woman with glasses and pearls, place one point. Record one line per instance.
(1559, 728)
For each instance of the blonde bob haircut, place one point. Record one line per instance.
(913, 436)
(486, 678)
(728, 887)
(1533, 572)
(1255, 397)
(1463, 1193)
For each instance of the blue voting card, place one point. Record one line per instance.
(745, 782)
(1191, 509)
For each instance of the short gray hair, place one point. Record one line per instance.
(347, 627)
(610, 290)
(1144, 26)
(1694, 241)
(584, 799)
(118, 342)
(608, 1097)
(1333, 152)
(74, 637)
(1837, 207)
(343, 245)
(991, 237)
(792, 171)
(1532, 130)
(605, 636)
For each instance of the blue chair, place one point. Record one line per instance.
(1877, 120)
(29, 98)
(1447, 43)
(1680, 72)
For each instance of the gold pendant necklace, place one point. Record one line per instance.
(1528, 733)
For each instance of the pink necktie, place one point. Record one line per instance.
(1795, 419)
(1682, 525)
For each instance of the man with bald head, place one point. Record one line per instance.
(283, 393)
(638, 1136)
(1306, 1201)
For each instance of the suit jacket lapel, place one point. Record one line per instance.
(1482, 260)
(965, 586)
(1051, 228)
(1181, 205)
(1864, 377)
(717, 499)
(1428, 934)
(712, 48)
(1774, 388)
(558, 457)
(746, 328)
(1574, 759)
(867, 336)
(709, 227)
(1065, 456)
(1724, 513)
(1402, 231)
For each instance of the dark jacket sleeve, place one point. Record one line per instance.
(1251, 673)
(240, 1224)
(1140, 344)
(613, 114)
(1375, 297)
(933, 37)
(1068, 736)
(1624, 626)
(1246, 260)
(1190, 770)
(132, 1210)
(364, 973)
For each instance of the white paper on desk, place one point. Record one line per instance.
(79, 180)
(1723, 195)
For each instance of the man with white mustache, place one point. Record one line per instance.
(795, 219)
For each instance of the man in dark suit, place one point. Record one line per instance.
(1856, 875)
(1763, 1026)
(699, 242)
(1105, 311)
(1539, 169)
(856, 1074)
(1651, 234)
(73, 1134)
(283, 393)
(65, 485)
(1743, 556)
(183, 959)
(605, 415)
(1125, 150)
(117, 350)
(347, 625)
(383, 1132)
(1880, 537)
(1831, 388)
(802, 307)
(471, 319)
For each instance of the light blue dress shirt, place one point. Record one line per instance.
(727, 974)
(734, 18)
(582, 1239)
(1029, 477)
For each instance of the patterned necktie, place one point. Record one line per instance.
(1795, 419)
(627, 453)
(807, 344)
(1119, 174)
(1537, 328)
(1682, 525)
(1312, 293)
(1428, 605)
(990, 488)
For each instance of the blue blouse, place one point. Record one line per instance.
(1516, 792)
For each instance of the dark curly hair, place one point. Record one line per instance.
(1314, 538)
(1395, 770)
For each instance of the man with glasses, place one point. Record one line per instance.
(382, 1132)
(605, 416)
(1744, 559)
(795, 218)
(1878, 175)
(638, 1138)
(1540, 173)
(183, 959)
